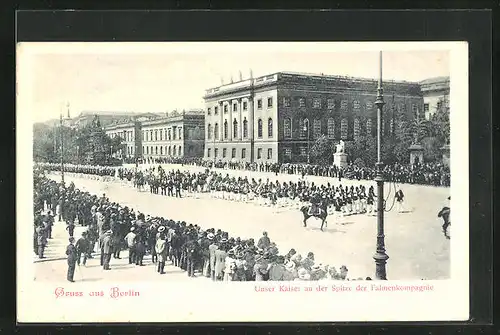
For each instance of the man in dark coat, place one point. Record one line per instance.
(82, 247)
(72, 258)
(191, 249)
(264, 241)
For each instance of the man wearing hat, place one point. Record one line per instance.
(160, 250)
(130, 239)
(211, 251)
(41, 239)
(205, 250)
(107, 248)
(220, 260)
(192, 250)
(72, 256)
(264, 241)
(82, 247)
(261, 267)
(277, 269)
(308, 262)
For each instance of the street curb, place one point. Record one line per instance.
(48, 259)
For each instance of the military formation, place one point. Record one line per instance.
(212, 253)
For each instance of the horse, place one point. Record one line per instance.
(445, 214)
(322, 215)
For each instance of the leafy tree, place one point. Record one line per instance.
(322, 151)
(86, 145)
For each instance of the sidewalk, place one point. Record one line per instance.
(56, 247)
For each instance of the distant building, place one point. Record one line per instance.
(108, 117)
(180, 134)
(436, 94)
(130, 133)
(176, 135)
(269, 118)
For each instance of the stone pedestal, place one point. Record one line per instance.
(340, 159)
(416, 154)
(445, 150)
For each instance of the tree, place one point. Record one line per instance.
(87, 145)
(440, 122)
(322, 151)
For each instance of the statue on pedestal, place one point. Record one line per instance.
(339, 148)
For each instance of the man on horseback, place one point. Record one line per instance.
(315, 203)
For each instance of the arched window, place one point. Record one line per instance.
(287, 128)
(161, 151)
(369, 127)
(303, 128)
(235, 128)
(270, 128)
(245, 128)
(317, 128)
(225, 129)
(357, 129)
(156, 150)
(344, 128)
(175, 150)
(209, 131)
(169, 150)
(259, 128)
(156, 135)
(331, 128)
(216, 131)
(180, 150)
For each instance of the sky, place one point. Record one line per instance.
(163, 77)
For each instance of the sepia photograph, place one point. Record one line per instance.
(300, 167)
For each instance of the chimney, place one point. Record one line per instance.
(241, 76)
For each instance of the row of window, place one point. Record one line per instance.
(315, 103)
(128, 135)
(160, 150)
(243, 153)
(304, 128)
(215, 131)
(162, 134)
(244, 106)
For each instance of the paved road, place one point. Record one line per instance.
(414, 241)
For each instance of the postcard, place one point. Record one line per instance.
(242, 182)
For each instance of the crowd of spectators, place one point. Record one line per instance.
(213, 253)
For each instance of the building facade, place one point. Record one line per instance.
(177, 135)
(130, 133)
(277, 117)
(436, 94)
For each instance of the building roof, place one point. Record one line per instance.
(434, 80)
(306, 74)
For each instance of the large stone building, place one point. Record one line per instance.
(130, 133)
(436, 93)
(277, 117)
(174, 135)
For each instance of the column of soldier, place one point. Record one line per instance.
(211, 253)
(340, 200)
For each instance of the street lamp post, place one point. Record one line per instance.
(214, 146)
(380, 256)
(308, 129)
(62, 146)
